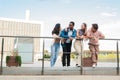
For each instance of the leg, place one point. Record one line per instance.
(68, 53)
(64, 57)
(96, 52)
(52, 55)
(78, 47)
(93, 54)
(57, 48)
(68, 59)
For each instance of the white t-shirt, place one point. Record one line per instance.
(69, 34)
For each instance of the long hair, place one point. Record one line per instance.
(85, 25)
(56, 29)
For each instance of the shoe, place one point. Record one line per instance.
(76, 64)
(64, 68)
(94, 65)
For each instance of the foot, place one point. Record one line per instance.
(77, 65)
(94, 65)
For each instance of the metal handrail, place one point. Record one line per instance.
(115, 39)
(4, 36)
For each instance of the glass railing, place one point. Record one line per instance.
(38, 63)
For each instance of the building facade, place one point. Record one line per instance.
(17, 27)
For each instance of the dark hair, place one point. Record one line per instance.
(56, 29)
(72, 23)
(95, 26)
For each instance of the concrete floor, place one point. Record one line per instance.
(70, 77)
(58, 71)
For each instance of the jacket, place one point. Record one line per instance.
(65, 36)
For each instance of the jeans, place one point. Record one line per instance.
(54, 53)
(66, 54)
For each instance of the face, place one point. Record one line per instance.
(93, 30)
(71, 26)
(82, 26)
(60, 28)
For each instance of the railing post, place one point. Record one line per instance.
(1, 67)
(43, 58)
(117, 58)
(81, 68)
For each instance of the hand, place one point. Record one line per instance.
(82, 37)
(90, 37)
(96, 40)
(71, 38)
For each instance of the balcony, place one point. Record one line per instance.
(42, 66)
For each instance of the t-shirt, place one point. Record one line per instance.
(81, 32)
(69, 34)
(97, 35)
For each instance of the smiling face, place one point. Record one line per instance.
(94, 28)
(83, 26)
(71, 25)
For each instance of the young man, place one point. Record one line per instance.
(94, 35)
(67, 34)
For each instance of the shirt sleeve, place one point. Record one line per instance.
(88, 33)
(101, 35)
(74, 34)
(62, 34)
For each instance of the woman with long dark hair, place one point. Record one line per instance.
(78, 45)
(55, 47)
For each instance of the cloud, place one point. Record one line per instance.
(106, 14)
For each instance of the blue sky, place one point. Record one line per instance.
(104, 12)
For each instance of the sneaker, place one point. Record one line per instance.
(94, 65)
(76, 64)
(64, 67)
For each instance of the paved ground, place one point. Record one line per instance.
(104, 71)
(58, 71)
(102, 68)
(70, 77)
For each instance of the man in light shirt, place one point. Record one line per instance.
(94, 35)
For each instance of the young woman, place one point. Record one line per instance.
(78, 45)
(56, 44)
(94, 35)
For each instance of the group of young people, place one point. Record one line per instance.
(65, 38)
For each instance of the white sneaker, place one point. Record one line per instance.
(64, 67)
(94, 65)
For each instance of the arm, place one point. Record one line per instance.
(88, 35)
(74, 34)
(55, 35)
(101, 36)
(62, 34)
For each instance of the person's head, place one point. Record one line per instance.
(94, 27)
(71, 25)
(56, 29)
(84, 26)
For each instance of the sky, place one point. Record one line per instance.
(104, 12)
